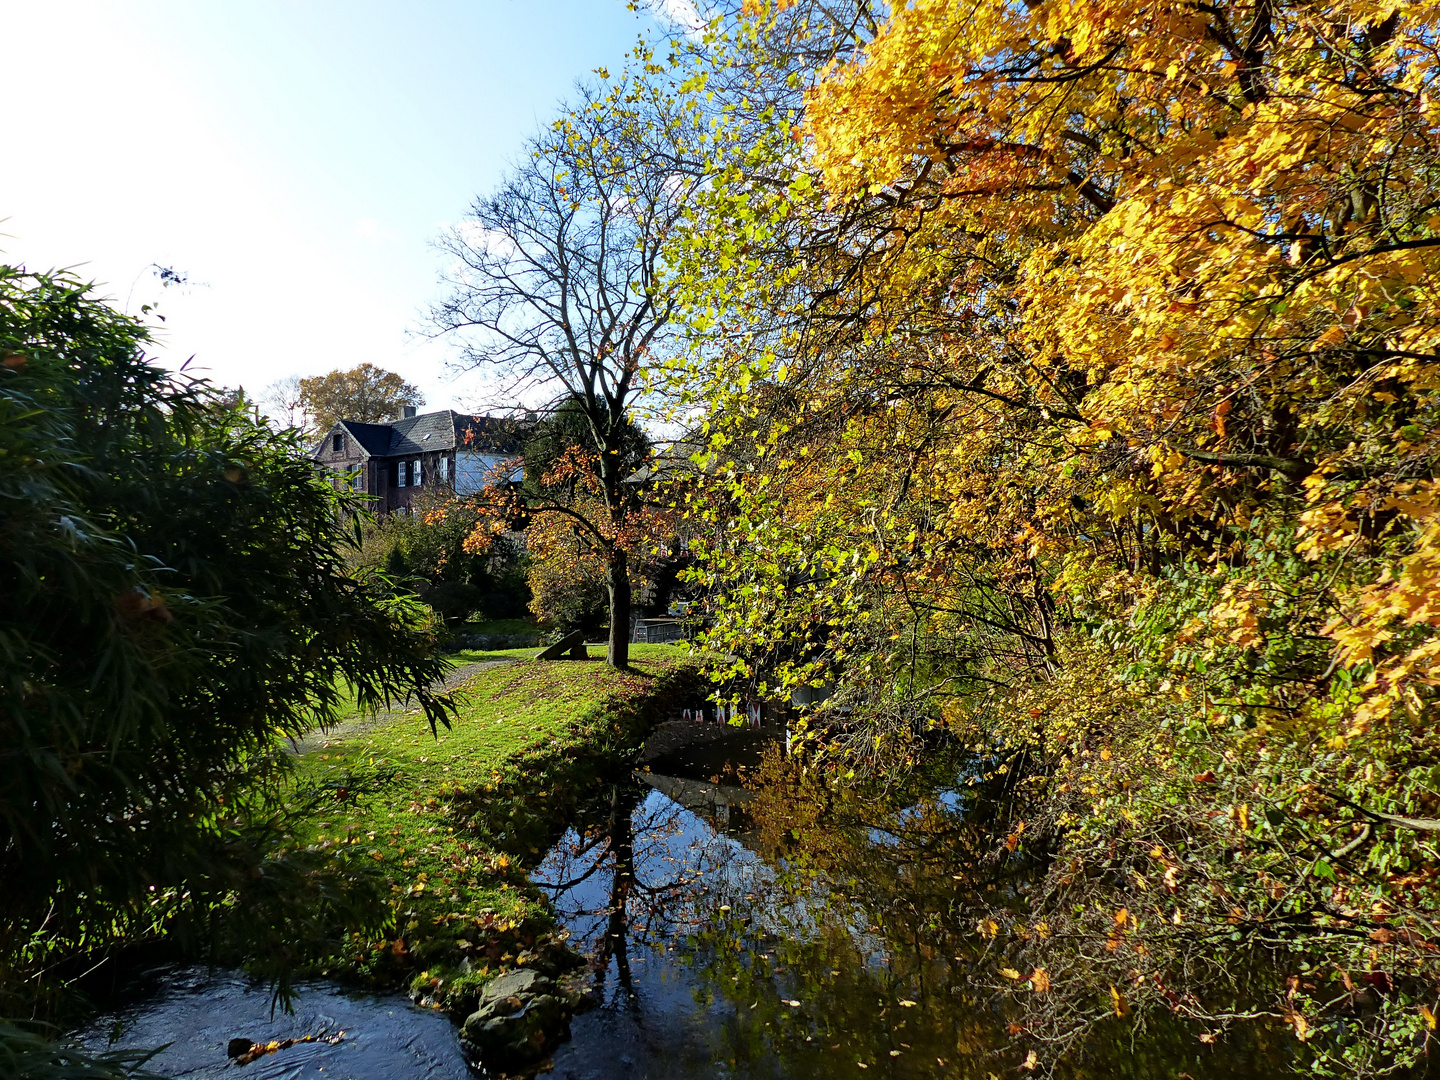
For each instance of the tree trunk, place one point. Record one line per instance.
(617, 655)
(622, 850)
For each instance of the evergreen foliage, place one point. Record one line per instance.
(177, 606)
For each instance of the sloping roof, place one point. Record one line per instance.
(443, 430)
(416, 434)
(492, 434)
(450, 430)
(374, 439)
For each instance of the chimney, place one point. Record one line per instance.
(406, 412)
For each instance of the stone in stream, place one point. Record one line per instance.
(520, 1016)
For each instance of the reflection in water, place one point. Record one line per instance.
(631, 891)
(198, 1013)
(763, 933)
(847, 954)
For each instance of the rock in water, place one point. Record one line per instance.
(520, 1016)
(237, 1047)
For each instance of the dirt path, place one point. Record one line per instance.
(348, 729)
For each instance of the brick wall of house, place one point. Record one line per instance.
(341, 461)
(428, 467)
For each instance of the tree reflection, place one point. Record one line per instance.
(874, 951)
(615, 942)
(844, 937)
(628, 882)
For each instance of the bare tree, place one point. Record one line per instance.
(284, 402)
(555, 279)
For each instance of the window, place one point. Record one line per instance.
(337, 443)
(407, 474)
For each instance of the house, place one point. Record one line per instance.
(398, 460)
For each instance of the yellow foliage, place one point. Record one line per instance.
(1218, 241)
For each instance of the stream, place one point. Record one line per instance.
(710, 959)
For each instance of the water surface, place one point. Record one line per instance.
(720, 949)
(198, 1012)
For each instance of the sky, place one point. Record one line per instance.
(292, 159)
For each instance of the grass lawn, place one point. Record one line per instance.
(346, 709)
(470, 656)
(455, 820)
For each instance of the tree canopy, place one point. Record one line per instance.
(1071, 380)
(365, 393)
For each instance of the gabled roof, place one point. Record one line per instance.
(449, 430)
(374, 439)
(416, 434)
(443, 430)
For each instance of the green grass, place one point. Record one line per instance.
(455, 820)
(470, 656)
(347, 709)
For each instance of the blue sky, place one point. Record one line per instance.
(294, 159)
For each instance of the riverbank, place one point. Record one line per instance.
(454, 822)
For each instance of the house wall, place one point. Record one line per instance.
(473, 470)
(380, 485)
(431, 466)
(466, 472)
(340, 463)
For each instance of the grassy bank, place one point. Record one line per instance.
(455, 821)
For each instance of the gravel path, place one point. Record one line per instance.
(348, 729)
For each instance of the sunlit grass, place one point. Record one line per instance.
(457, 890)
